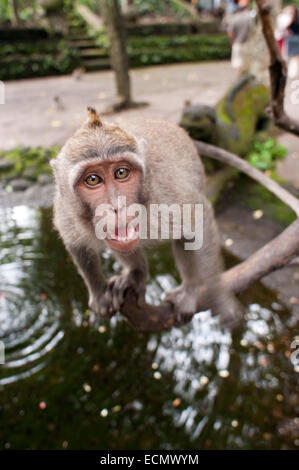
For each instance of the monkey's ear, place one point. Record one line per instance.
(93, 118)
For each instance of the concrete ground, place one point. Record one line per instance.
(32, 117)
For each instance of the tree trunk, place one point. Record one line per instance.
(258, 60)
(118, 53)
(14, 13)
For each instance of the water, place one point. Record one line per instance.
(70, 381)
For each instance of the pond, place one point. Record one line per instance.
(71, 381)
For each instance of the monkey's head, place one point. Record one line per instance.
(100, 172)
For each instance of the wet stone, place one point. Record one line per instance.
(19, 184)
(45, 179)
(30, 173)
(5, 165)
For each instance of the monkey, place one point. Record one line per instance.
(146, 162)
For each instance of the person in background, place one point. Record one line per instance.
(238, 27)
(231, 6)
(292, 42)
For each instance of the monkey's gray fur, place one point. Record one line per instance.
(172, 173)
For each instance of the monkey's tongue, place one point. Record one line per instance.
(125, 234)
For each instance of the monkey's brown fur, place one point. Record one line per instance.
(170, 172)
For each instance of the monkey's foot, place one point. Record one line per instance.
(184, 300)
(230, 312)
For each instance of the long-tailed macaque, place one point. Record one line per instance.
(149, 163)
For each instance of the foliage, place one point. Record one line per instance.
(43, 58)
(36, 59)
(28, 162)
(147, 7)
(27, 10)
(165, 49)
(265, 153)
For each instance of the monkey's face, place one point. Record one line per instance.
(108, 188)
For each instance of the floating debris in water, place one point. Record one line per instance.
(116, 409)
(271, 348)
(263, 361)
(87, 388)
(104, 413)
(224, 373)
(176, 402)
(203, 380)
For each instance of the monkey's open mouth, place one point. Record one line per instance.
(124, 239)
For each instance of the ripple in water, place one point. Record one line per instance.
(29, 322)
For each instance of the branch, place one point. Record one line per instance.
(278, 71)
(224, 156)
(274, 255)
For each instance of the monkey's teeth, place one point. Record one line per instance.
(131, 233)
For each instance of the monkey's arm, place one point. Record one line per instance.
(88, 264)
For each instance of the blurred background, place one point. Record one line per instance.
(67, 379)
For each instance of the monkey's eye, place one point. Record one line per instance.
(93, 180)
(121, 173)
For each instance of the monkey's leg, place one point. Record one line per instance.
(134, 274)
(88, 264)
(203, 266)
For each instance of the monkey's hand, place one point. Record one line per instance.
(184, 300)
(117, 286)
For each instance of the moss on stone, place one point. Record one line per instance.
(28, 162)
(238, 115)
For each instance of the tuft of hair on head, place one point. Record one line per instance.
(93, 118)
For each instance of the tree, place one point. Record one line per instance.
(14, 13)
(118, 53)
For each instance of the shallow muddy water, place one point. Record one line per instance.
(72, 381)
